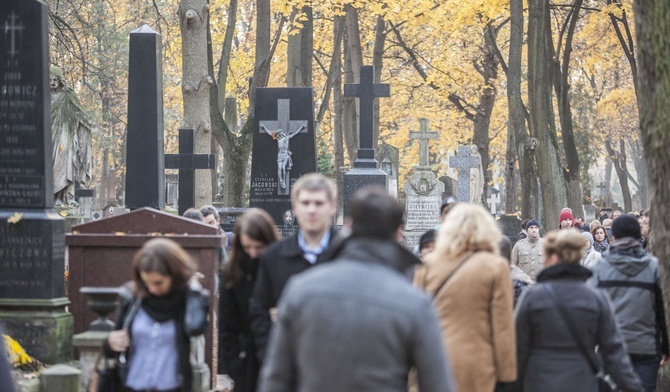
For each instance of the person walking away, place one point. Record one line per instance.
(631, 278)
(550, 357)
(152, 331)
(253, 233)
(313, 200)
(527, 253)
(357, 324)
(470, 283)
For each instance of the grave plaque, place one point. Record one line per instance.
(31, 233)
(463, 162)
(145, 172)
(284, 147)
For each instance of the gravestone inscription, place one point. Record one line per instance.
(284, 147)
(32, 302)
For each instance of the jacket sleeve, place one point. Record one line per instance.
(660, 319)
(522, 322)
(229, 330)
(121, 312)
(612, 350)
(428, 356)
(502, 324)
(279, 372)
(515, 255)
(259, 310)
(196, 317)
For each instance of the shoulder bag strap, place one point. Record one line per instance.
(441, 286)
(134, 308)
(577, 338)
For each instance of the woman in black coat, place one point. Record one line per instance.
(548, 356)
(252, 234)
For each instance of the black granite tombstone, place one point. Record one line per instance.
(187, 162)
(145, 173)
(510, 225)
(365, 171)
(284, 148)
(32, 234)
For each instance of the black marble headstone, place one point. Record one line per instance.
(32, 234)
(145, 167)
(287, 111)
(510, 226)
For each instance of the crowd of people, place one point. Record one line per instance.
(354, 310)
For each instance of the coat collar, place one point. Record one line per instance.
(385, 252)
(292, 248)
(564, 271)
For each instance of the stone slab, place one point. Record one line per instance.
(358, 178)
(45, 335)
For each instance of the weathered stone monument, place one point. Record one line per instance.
(423, 192)
(388, 157)
(365, 171)
(463, 161)
(284, 148)
(32, 235)
(145, 183)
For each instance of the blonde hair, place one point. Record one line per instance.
(468, 228)
(566, 244)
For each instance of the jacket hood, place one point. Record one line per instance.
(628, 258)
(385, 252)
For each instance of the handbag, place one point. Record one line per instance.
(605, 382)
(111, 377)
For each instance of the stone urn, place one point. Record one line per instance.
(103, 301)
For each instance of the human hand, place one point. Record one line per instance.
(119, 340)
(274, 313)
(665, 360)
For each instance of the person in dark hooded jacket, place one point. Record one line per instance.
(631, 278)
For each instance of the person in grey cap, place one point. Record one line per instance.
(590, 256)
(527, 253)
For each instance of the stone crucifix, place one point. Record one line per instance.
(463, 162)
(493, 201)
(423, 136)
(283, 130)
(366, 91)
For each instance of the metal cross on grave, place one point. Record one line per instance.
(463, 162)
(423, 136)
(187, 162)
(283, 130)
(366, 91)
(602, 186)
(493, 201)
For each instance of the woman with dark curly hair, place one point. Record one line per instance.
(254, 231)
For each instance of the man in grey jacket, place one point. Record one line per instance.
(631, 278)
(357, 324)
(527, 253)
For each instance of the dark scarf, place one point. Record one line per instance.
(166, 307)
(600, 247)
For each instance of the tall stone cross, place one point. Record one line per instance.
(423, 136)
(366, 91)
(602, 186)
(187, 162)
(463, 162)
(283, 130)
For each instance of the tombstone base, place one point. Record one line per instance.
(88, 344)
(42, 327)
(357, 178)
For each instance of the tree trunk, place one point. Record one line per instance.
(196, 82)
(560, 72)
(652, 25)
(619, 160)
(300, 50)
(642, 174)
(541, 119)
(353, 60)
(517, 116)
(378, 63)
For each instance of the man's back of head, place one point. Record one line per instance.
(374, 214)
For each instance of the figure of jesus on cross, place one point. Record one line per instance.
(284, 161)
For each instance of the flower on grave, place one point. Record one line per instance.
(16, 355)
(15, 218)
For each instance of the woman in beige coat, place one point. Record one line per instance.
(475, 303)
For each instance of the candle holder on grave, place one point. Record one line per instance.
(101, 300)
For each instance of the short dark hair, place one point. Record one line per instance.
(209, 210)
(626, 226)
(374, 214)
(194, 214)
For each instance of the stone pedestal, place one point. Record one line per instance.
(60, 378)
(89, 345)
(357, 178)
